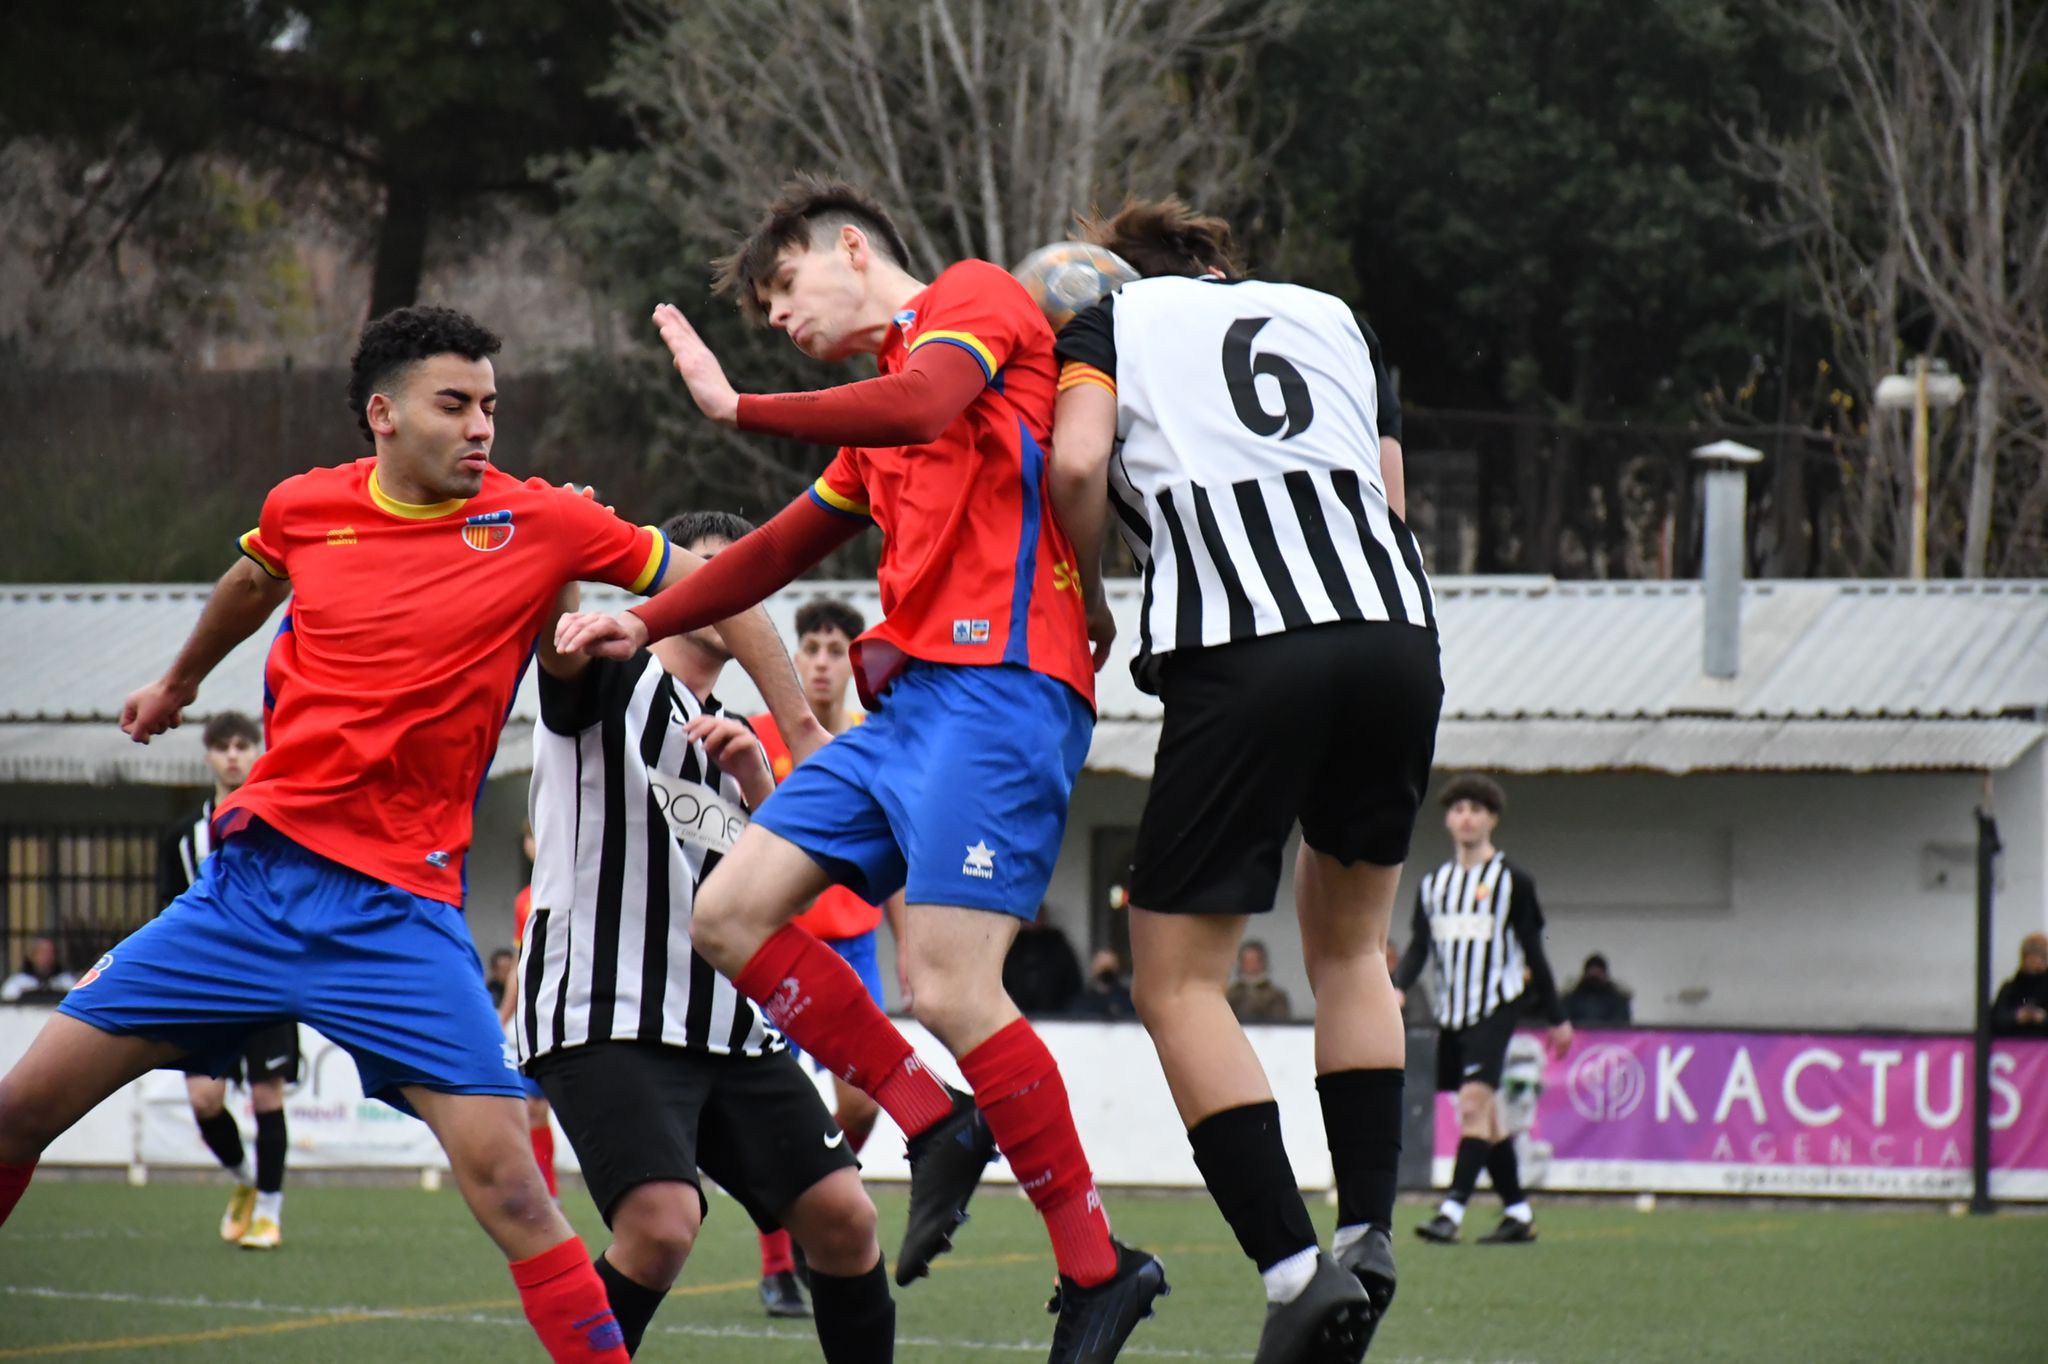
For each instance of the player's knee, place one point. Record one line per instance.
(25, 1125)
(838, 1227)
(1159, 998)
(717, 926)
(655, 1228)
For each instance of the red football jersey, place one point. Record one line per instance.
(975, 569)
(408, 630)
(837, 913)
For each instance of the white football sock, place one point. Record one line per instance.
(243, 1174)
(1521, 1211)
(1348, 1237)
(1284, 1281)
(1454, 1210)
(270, 1205)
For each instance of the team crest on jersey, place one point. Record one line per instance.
(1482, 891)
(488, 531)
(97, 967)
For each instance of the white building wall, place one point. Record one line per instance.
(1818, 900)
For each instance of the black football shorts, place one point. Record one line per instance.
(1333, 725)
(641, 1112)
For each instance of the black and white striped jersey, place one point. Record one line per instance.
(1246, 478)
(182, 848)
(629, 817)
(1481, 927)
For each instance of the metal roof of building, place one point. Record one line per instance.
(1539, 675)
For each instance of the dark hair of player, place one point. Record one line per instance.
(829, 613)
(1166, 237)
(808, 208)
(402, 338)
(1477, 789)
(687, 528)
(228, 726)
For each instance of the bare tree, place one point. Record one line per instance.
(985, 124)
(1919, 201)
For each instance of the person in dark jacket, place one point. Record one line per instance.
(1596, 1001)
(1041, 973)
(1107, 995)
(2021, 1009)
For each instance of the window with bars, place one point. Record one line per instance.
(85, 887)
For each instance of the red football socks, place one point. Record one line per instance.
(13, 1184)
(565, 1301)
(809, 992)
(543, 1139)
(778, 1256)
(1018, 1088)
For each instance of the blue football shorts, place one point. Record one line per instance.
(272, 931)
(954, 793)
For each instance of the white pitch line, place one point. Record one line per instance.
(1135, 1350)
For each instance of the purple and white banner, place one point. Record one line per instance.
(1779, 1113)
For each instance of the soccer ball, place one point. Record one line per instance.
(1066, 277)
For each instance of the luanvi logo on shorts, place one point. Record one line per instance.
(487, 531)
(981, 861)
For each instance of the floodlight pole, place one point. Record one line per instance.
(1988, 848)
(1919, 567)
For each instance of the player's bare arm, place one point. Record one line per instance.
(242, 600)
(1396, 475)
(553, 662)
(1083, 436)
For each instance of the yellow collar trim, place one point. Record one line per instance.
(412, 511)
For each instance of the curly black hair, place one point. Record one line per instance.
(687, 528)
(1480, 790)
(403, 337)
(829, 613)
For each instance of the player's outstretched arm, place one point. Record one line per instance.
(744, 573)
(752, 640)
(242, 600)
(1083, 435)
(911, 407)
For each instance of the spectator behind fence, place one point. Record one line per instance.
(1107, 995)
(498, 976)
(1253, 997)
(2021, 1009)
(1596, 1001)
(1041, 974)
(40, 974)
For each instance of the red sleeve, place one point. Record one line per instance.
(908, 408)
(265, 544)
(747, 571)
(976, 307)
(601, 547)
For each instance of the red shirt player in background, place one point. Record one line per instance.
(825, 632)
(956, 790)
(419, 581)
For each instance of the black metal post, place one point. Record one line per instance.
(1988, 848)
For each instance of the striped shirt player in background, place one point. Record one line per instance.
(418, 579)
(269, 1058)
(1247, 437)
(656, 1065)
(825, 632)
(540, 1127)
(1478, 921)
(956, 791)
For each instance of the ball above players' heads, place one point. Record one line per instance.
(825, 265)
(1065, 277)
(1166, 237)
